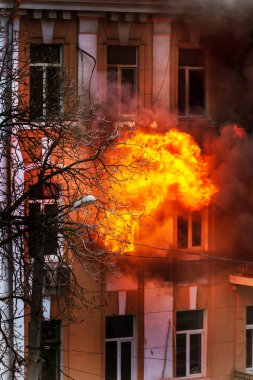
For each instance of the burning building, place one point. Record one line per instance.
(178, 76)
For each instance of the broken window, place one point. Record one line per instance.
(249, 339)
(43, 203)
(119, 348)
(45, 81)
(122, 79)
(189, 230)
(189, 343)
(191, 82)
(50, 349)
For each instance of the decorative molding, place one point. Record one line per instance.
(122, 302)
(124, 31)
(193, 291)
(47, 27)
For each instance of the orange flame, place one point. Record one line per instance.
(169, 167)
(239, 132)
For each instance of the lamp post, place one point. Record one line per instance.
(34, 366)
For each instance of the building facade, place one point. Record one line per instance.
(185, 308)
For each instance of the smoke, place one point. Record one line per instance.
(231, 170)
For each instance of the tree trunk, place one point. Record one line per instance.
(34, 365)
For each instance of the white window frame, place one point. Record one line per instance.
(133, 351)
(44, 66)
(188, 333)
(204, 231)
(119, 68)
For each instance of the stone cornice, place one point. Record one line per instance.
(140, 6)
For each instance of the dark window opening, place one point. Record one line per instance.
(111, 360)
(43, 205)
(118, 327)
(249, 315)
(189, 320)
(191, 82)
(182, 232)
(249, 337)
(119, 347)
(122, 79)
(50, 349)
(45, 81)
(121, 55)
(189, 332)
(181, 355)
(195, 353)
(189, 230)
(196, 229)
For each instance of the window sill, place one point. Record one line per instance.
(193, 376)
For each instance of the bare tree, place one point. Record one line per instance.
(54, 153)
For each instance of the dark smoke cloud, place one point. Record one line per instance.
(232, 162)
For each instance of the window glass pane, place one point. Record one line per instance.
(182, 231)
(249, 315)
(111, 361)
(51, 242)
(196, 92)
(196, 229)
(181, 92)
(53, 91)
(119, 327)
(34, 210)
(45, 191)
(191, 57)
(50, 349)
(189, 320)
(181, 355)
(112, 75)
(126, 361)
(127, 90)
(45, 53)
(195, 353)
(113, 88)
(36, 92)
(249, 348)
(124, 55)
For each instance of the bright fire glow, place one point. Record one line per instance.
(169, 167)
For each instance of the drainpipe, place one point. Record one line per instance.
(7, 141)
(8, 110)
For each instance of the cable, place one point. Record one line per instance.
(92, 71)
(172, 250)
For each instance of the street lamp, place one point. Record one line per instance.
(85, 201)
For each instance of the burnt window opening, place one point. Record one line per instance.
(122, 79)
(189, 343)
(119, 348)
(50, 349)
(189, 230)
(191, 82)
(43, 205)
(249, 339)
(45, 81)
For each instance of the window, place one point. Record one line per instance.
(189, 230)
(119, 348)
(122, 78)
(189, 343)
(249, 339)
(191, 82)
(43, 200)
(45, 81)
(50, 349)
